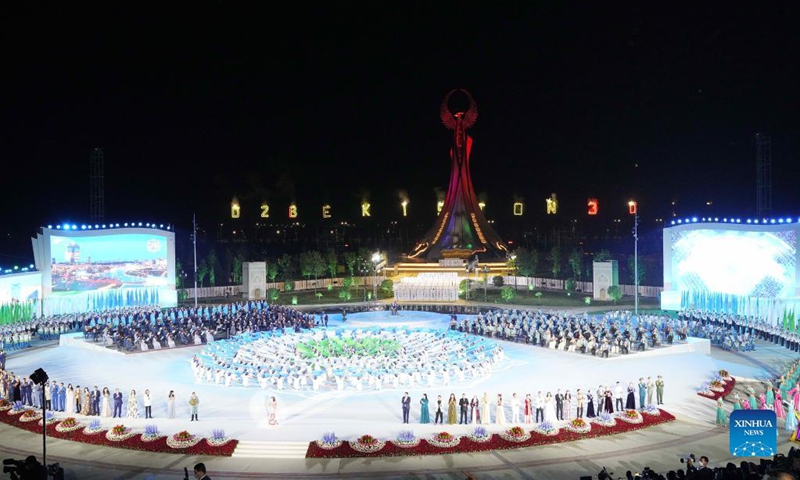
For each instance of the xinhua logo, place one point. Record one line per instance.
(754, 433)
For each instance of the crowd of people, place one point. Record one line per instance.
(610, 334)
(544, 407)
(58, 397)
(357, 359)
(738, 332)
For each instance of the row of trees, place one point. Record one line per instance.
(526, 262)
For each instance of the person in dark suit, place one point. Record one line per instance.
(559, 405)
(439, 412)
(200, 472)
(97, 397)
(117, 403)
(406, 407)
(464, 404)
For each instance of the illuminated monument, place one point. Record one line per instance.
(461, 230)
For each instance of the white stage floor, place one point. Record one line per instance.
(304, 416)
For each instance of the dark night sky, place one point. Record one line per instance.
(198, 103)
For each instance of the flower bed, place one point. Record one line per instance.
(724, 387)
(30, 416)
(480, 435)
(367, 444)
(75, 431)
(444, 440)
(120, 433)
(329, 441)
(183, 440)
(495, 442)
(725, 375)
(546, 428)
(630, 416)
(406, 439)
(515, 434)
(651, 410)
(605, 420)
(4, 405)
(579, 425)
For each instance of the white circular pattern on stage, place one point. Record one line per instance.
(348, 359)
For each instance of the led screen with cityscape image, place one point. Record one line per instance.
(738, 262)
(88, 263)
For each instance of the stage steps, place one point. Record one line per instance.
(264, 449)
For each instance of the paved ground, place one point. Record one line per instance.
(659, 448)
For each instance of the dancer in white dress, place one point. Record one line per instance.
(105, 405)
(514, 409)
(550, 409)
(486, 415)
(70, 401)
(500, 414)
(171, 404)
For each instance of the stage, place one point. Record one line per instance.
(305, 415)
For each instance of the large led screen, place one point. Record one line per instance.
(113, 261)
(736, 261)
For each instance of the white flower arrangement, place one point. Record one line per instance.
(120, 433)
(605, 419)
(444, 440)
(329, 441)
(406, 439)
(578, 425)
(367, 444)
(515, 434)
(5, 405)
(480, 435)
(630, 416)
(50, 418)
(651, 410)
(69, 424)
(705, 390)
(217, 438)
(546, 428)
(183, 439)
(93, 429)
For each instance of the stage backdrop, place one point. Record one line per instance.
(102, 269)
(749, 269)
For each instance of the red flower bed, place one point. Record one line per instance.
(133, 443)
(496, 443)
(727, 388)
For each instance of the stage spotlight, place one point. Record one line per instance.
(74, 227)
(780, 220)
(788, 220)
(116, 225)
(703, 219)
(16, 267)
(672, 222)
(679, 222)
(694, 219)
(31, 265)
(58, 227)
(140, 224)
(161, 226)
(772, 220)
(749, 221)
(755, 221)
(725, 220)
(49, 226)
(126, 224)
(104, 226)
(83, 227)
(716, 219)
(146, 224)
(738, 220)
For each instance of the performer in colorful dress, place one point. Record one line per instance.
(475, 407)
(793, 396)
(194, 404)
(424, 412)
(752, 398)
(630, 402)
(778, 407)
(528, 409)
(722, 417)
(770, 394)
(791, 420)
(452, 416)
(737, 401)
(133, 405)
(272, 409)
(500, 414)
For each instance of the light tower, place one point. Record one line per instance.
(97, 198)
(763, 174)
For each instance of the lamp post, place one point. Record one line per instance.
(194, 246)
(512, 267)
(364, 271)
(485, 272)
(633, 209)
(376, 258)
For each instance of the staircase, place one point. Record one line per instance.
(263, 449)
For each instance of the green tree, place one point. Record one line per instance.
(331, 262)
(212, 261)
(641, 268)
(570, 285)
(387, 287)
(555, 260)
(615, 293)
(497, 281)
(575, 261)
(202, 271)
(272, 271)
(350, 259)
(602, 256)
(312, 265)
(178, 277)
(508, 293)
(238, 260)
(286, 266)
(527, 262)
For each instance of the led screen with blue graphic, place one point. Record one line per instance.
(743, 261)
(109, 261)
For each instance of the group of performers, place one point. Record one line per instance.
(738, 332)
(341, 359)
(541, 408)
(76, 401)
(609, 334)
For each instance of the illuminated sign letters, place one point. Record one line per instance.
(365, 209)
(518, 208)
(265, 211)
(292, 211)
(593, 206)
(326, 211)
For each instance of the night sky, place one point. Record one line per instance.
(196, 104)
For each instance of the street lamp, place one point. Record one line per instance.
(485, 272)
(633, 209)
(376, 258)
(512, 267)
(364, 271)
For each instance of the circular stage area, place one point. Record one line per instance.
(347, 359)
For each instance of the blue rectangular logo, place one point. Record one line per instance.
(754, 433)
